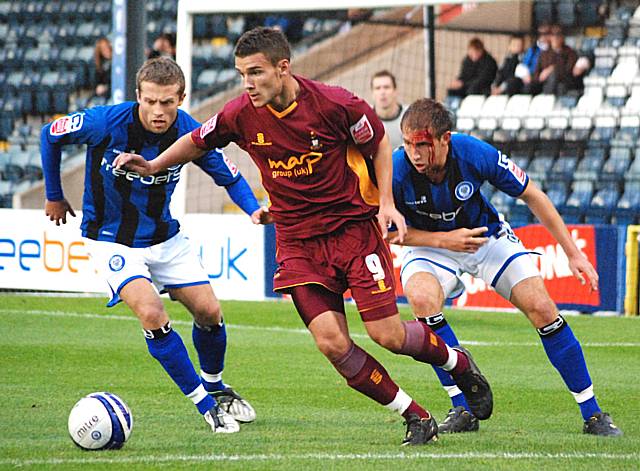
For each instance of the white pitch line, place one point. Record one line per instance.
(113, 317)
(151, 459)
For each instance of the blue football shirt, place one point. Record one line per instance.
(118, 205)
(456, 202)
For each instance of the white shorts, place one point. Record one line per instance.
(502, 263)
(170, 264)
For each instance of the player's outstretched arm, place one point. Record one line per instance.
(181, 151)
(387, 213)
(542, 207)
(458, 240)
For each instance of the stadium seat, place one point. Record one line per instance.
(580, 129)
(604, 129)
(557, 193)
(589, 167)
(540, 166)
(627, 210)
(541, 106)
(616, 166)
(574, 208)
(602, 205)
(471, 106)
(566, 12)
(563, 168)
(520, 214)
(6, 194)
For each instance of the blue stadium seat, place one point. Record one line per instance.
(602, 205)
(557, 193)
(615, 167)
(566, 12)
(589, 167)
(520, 214)
(543, 11)
(627, 210)
(540, 167)
(563, 168)
(574, 208)
(6, 194)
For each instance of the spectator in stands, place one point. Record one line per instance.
(553, 74)
(164, 45)
(477, 72)
(506, 81)
(580, 70)
(386, 105)
(528, 66)
(102, 55)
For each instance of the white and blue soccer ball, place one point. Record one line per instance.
(100, 421)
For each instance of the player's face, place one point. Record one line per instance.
(158, 106)
(263, 81)
(384, 93)
(427, 153)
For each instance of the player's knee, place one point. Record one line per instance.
(542, 311)
(208, 314)
(389, 339)
(333, 346)
(424, 303)
(151, 316)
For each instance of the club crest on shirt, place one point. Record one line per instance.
(260, 140)
(315, 145)
(362, 131)
(116, 262)
(209, 126)
(67, 124)
(464, 190)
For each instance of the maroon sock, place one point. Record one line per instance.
(366, 375)
(461, 366)
(423, 344)
(415, 408)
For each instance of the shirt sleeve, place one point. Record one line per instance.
(85, 127)
(365, 127)
(216, 132)
(500, 170)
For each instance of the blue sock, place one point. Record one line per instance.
(211, 345)
(441, 327)
(565, 354)
(166, 346)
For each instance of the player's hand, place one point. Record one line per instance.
(388, 215)
(135, 163)
(465, 240)
(57, 211)
(580, 267)
(262, 216)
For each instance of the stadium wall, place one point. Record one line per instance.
(239, 258)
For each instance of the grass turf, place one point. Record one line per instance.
(55, 350)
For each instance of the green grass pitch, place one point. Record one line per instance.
(54, 350)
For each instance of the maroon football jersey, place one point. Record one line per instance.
(314, 156)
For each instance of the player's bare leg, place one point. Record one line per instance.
(416, 339)
(210, 340)
(426, 297)
(564, 352)
(166, 346)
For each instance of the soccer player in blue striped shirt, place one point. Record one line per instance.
(453, 228)
(134, 241)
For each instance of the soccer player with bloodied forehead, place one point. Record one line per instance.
(326, 164)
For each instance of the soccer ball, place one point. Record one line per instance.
(100, 421)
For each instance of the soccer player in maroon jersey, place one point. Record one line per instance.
(326, 164)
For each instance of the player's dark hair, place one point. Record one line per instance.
(427, 113)
(383, 73)
(161, 71)
(268, 41)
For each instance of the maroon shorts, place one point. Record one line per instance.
(355, 256)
